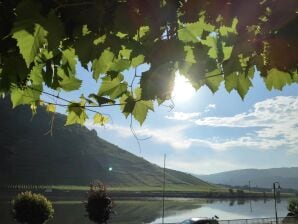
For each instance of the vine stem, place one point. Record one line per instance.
(72, 5)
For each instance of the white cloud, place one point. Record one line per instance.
(184, 116)
(276, 119)
(181, 116)
(209, 108)
(273, 124)
(204, 166)
(172, 136)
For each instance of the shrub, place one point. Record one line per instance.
(293, 207)
(98, 206)
(240, 192)
(31, 208)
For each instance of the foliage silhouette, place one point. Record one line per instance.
(98, 206)
(293, 207)
(209, 42)
(32, 208)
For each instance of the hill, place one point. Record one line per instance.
(287, 177)
(74, 155)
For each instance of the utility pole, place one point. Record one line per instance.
(274, 195)
(163, 188)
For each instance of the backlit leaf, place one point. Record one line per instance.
(51, 108)
(76, 114)
(102, 64)
(30, 43)
(277, 79)
(244, 84)
(100, 119)
(25, 96)
(113, 88)
(136, 61)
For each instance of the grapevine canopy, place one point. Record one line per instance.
(208, 41)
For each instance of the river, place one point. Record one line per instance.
(149, 210)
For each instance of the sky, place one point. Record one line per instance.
(208, 133)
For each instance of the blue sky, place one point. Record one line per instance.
(209, 133)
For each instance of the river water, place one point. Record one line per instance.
(149, 210)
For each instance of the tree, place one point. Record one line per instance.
(99, 205)
(208, 41)
(32, 208)
(293, 207)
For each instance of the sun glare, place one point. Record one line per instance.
(183, 90)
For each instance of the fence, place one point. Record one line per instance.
(281, 220)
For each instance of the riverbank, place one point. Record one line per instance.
(78, 194)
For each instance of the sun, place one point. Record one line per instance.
(183, 90)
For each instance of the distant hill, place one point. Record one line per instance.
(74, 155)
(287, 177)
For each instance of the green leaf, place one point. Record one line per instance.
(100, 119)
(27, 14)
(76, 114)
(141, 110)
(14, 70)
(214, 81)
(295, 76)
(102, 64)
(51, 108)
(227, 51)
(36, 75)
(277, 79)
(141, 107)
(137, 107)
(113, 88)
(218, 50)
(119, 65)
(136, 61)
(25, 96)
(142, 31)
(225, 30)
(30, 44)
(68, 83)
(244, 84)
(211, 41)
(125, 53)
(192, 32)
(101, 100)
(240, 82)
(158, 82)
(69, 61)
(87, 48)
(129, 105)
(231, 81)
(55, 30)
(189, 54)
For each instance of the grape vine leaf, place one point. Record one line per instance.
(101, 100)
(51, 108)
(102, 64)
(113, 88)
(100, 119)
(25, 96)
(30, 44)
(277, 79)
(76, 114)
(239, 81)
(135, 106)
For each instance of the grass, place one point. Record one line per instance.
(220, 191)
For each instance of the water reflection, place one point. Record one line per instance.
(149, 211)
